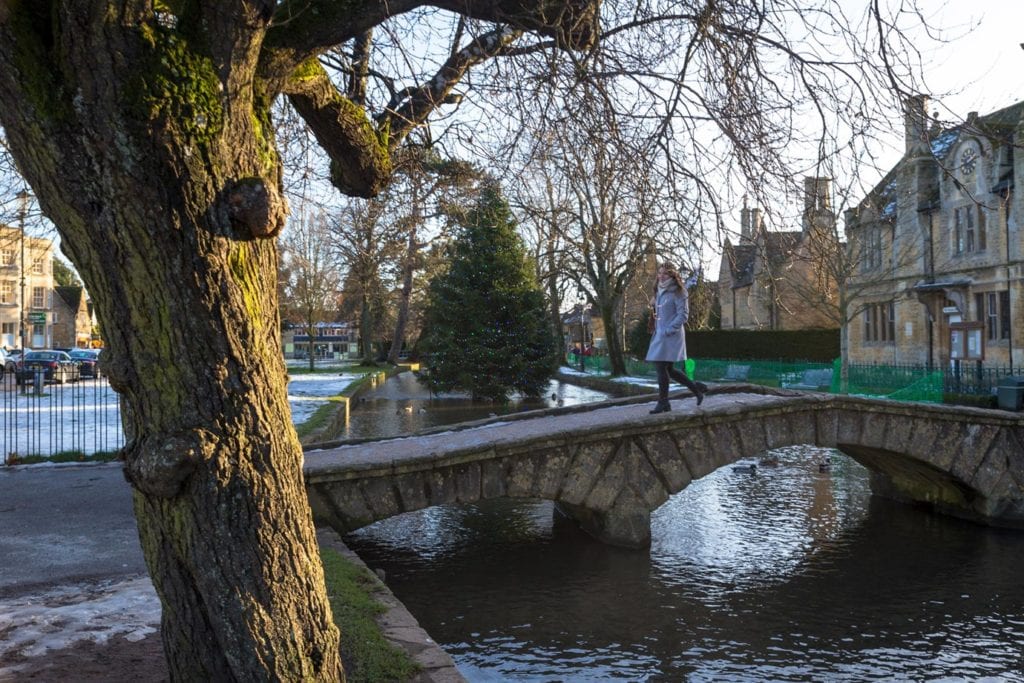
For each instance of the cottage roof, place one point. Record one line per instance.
(779, 245)
(72, 296)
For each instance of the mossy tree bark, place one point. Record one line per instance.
(146, 136)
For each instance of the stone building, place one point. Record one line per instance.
(337, 340)
(938, 246)
(782, 280)
(26, 289)
(70, 318)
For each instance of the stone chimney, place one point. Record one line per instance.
(817, 194)
(750, 223)
(916, 124)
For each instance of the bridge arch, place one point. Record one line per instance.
(610, 465)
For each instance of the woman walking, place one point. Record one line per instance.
(671, 306)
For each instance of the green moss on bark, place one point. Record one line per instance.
(177, 85)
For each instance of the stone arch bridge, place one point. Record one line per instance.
(609, 465)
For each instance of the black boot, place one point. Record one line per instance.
(699, 389)
(663, 406)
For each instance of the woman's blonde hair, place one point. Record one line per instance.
(670, 268)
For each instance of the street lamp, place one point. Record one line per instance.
(583, 334)
(22, 210)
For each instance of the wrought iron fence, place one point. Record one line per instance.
(74, 419)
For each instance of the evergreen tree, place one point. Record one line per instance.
(487, 329)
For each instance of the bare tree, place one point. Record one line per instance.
(428, 186)
(368, 238)
(312, 277)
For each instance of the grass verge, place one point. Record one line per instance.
(365, 653)
(63, 456)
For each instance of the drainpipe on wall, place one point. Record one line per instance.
(1009, 289)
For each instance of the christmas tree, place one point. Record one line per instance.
(487, 329)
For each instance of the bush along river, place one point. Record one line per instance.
(791, 573)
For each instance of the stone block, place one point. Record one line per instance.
(550, 471)
(873, 430)
(974, 446)
(664, 456)
(899, 433)
(991, 468)
(802, 428)
(493, 479)
(826, 424)
(349, 505)
(607, 487)
(587, 464)
(380, 497)
(467, 482)
(642, 478)
(848, 426)
(752, 436)
(777, 431)
(939, 443)
(521, 472)
(412, 491)
(705, 449)
(441, 487)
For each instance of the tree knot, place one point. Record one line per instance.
(255, 209)
(158, 464)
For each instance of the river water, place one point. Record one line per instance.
(789, 574)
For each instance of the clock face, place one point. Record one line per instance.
(968, 160)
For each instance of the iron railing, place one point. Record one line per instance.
(76, 418)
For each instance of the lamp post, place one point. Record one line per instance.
(583, 333)
(22, 210)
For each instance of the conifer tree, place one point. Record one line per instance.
(487, 329)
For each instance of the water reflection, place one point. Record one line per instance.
(402, 405)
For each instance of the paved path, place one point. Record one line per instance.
(66, 524)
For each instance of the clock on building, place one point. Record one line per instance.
(968, 160)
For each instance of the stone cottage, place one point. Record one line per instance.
(938, 246)
(782, 280)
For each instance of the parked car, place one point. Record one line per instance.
(88, 361)
(11, 360)
(57, 366)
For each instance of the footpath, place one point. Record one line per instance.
(76, 602)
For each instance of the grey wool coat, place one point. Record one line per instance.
(672, 307)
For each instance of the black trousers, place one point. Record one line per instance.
(666, 370)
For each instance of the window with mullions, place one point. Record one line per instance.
(871, 256)
(968, 230)
(880, 322)
(992, 309)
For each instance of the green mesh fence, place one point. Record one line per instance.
(904, 383)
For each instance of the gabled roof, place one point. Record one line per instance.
(779, 245)
(72, 296)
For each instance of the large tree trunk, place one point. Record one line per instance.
(366, 325)
(402, 317)
(154, 162)
(613, 337)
